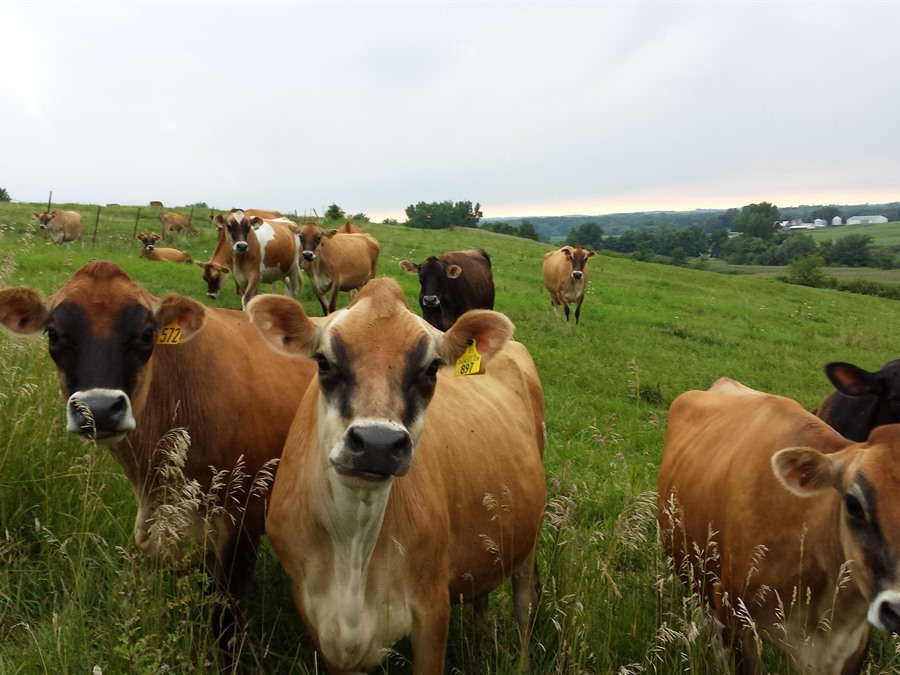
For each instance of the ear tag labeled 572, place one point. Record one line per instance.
(470, 361)
(170, 334)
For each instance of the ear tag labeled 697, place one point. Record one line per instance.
(170, 334)
(470, 361)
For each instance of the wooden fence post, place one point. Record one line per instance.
(96, 223)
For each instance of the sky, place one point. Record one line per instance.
(526, 108)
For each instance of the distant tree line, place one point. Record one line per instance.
(442, 215)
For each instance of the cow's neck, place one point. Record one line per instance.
(353, 520)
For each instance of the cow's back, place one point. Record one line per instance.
(279, 250)
(716, 480)
(351, 258)
(555, 270)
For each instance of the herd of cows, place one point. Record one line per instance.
(397, 492)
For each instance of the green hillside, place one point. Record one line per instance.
(75, 594)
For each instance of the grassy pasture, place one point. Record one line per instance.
(75, 595)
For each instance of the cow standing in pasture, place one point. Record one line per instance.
(452, 284)
(149, 250)
(565, 274)
(350, 228)
(266, 254)
(64, 227)
(175, 222)
(140, 372)
(863, 400)
(404, 487)
(216, 270)
(789, 531)
(337, 262)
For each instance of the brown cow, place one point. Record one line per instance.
(133, 367)
(149, 251)
(64, 226)
(788, 530)
(216, 270)
(350, 228)
(267, 254)
(156, 203)
(337, 262)
(452, 284)
(565, 274)
(399, 492)
(175, 222)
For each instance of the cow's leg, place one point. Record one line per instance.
(332, 303)
(526, 588)
(252, 290)
(577, 312)
(429, 634)
(232, 574)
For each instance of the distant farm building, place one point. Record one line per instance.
(865, 220)
(837, 221)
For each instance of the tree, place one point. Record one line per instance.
(807, 271)
(589, 235)
(442, 215)
(4, 195)
(527, 231)
(826, 213)
(334, 212)
(854, 250)
(795, 246)
(758, 220)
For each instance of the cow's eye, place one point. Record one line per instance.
(433, 368)
(855, 510)
(147, 337)
(52, 336)
(324, 366)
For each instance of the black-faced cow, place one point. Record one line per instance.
(133, 368)
(789, 531)
(565, 274)
(403, 487)
(336, 262)
(64, 227)
(863, 400)
(452, 284)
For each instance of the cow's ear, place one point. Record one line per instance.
(490, 330)
(409, 267)
(186, 313)
(256, 220)
(330, 233)
(849, 379)
(284, 324)
(591, 254)
(156, 237)
(454, 271)
(225, 269)
(138, 236)
(567, 252)
(23, 310)
(806, 471)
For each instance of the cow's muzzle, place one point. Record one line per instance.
(577, 275)
(375, 451)
(241, 246)
(431, 301)
(101, 414)
(309, 256)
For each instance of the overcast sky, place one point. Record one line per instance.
(528, 108)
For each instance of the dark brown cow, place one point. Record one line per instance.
(149, 250)
(64, 226)
(216, 270)
(175, 222)
(452, 284)
(565, 274)
(156, 203)
(788, 530)
(267, 254)
(337, 262)
(863, 400)
(139, 397)
(403, 487)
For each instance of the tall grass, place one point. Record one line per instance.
(75, 594)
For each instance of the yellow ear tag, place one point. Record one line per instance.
(170, 334)
(470, 361)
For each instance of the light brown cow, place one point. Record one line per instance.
(399, 492)
(266, 254)
(64, 226)
(216, 270)
(128, 391)
(789, 531)
(337, 262)
(350, 228)
(156, 203)
(175, 222)
(149, 250)
(265, 214)
(565, 274)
